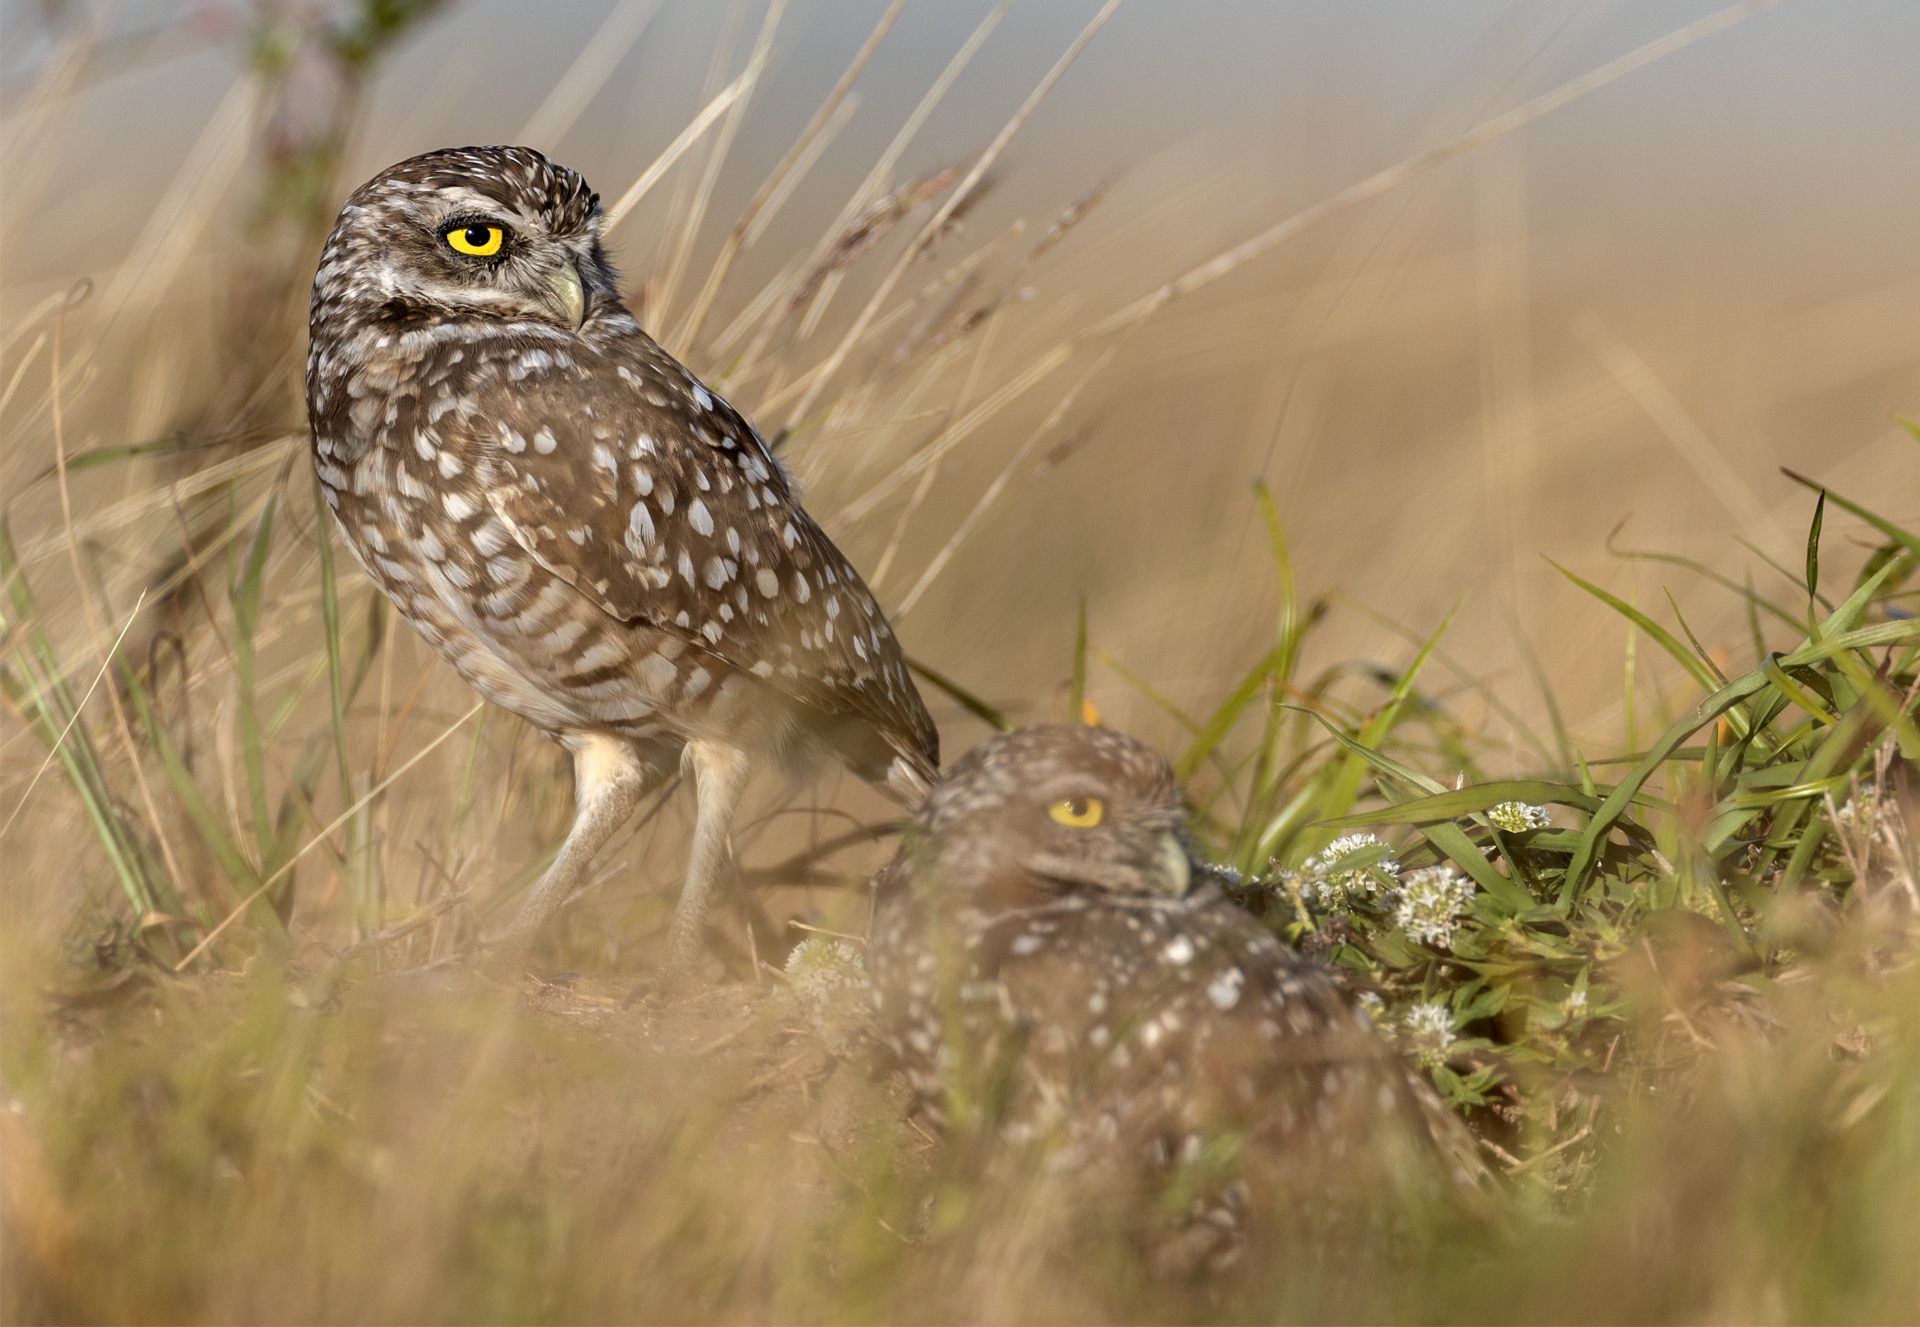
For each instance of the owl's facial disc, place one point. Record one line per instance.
(1113, 846)
(511, 265)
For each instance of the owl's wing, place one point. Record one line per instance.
(627, 479)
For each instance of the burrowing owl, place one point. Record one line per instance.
(1049, 962)
(590, 536)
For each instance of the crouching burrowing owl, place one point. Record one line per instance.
(1050, 967)
(591, 537)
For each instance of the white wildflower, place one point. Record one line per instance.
(1518, 817)
(1339, 872)
(1865, 806)
(827, 978)
(819, 967)
(1431, 901)
(1576, 1004)
(1372, 1005)
(1429, 1027)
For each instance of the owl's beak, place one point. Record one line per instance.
(565, 295)
(1176, 870)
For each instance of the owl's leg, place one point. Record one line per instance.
(720, 775)
(609, 779)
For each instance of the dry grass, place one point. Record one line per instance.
(251, 825)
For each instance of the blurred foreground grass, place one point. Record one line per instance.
(251, 833)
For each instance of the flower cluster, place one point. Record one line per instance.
(1341, 870)
(1429, 1029)
(1430, 903)
(819, 969)
(1518, 817)
(828, 979)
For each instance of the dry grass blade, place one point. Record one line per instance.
(865, 231)
(965, 189)
(197, 190)
(587, 74)
(1076, 213)
(85, 593)
(674, 151)
(1376, 184)
(54, 750)
(959, 432)
(875, 182)
(787, 173)
(1687, 437)
(1212, 270)
(240, 909)
(697, 214)
(999, 484)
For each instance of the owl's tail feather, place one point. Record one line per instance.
(910, 777)
(893, 762)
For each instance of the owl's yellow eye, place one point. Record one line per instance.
(479, 241)
(1079, 812)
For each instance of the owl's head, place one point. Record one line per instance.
(1058, 808)
(500, 232)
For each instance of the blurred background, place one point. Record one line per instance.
(1629, 313)
(1592, 340)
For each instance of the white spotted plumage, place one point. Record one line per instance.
(572, 519)
(1084, 988)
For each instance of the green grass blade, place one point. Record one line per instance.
(1475, 798)
(1343, 783)
(245, 607)
(1794, 692)
(360, 882)
(1754, 600)
(1077, 687)
(1288, 632)
(1813, 555)
(1222, 720)
(1837, 638)
(971, 703)
(1906, 538)
(1661, 637)
(1700, 651)
(232, 862)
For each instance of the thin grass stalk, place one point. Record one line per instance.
(216, 932)
(588, 73)
(53, 746)
(875, 183)
(1077, 680)
(961, 193)
(1215, 268)
(365, 909)
(300, 789)
(673, 152)
(716, 160)
(982, 349)
(245, 607)
(999, 484)
(175, 878)
(777, 200)
(787, 173)
(44, 704)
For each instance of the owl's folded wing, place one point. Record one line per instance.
(661, 504)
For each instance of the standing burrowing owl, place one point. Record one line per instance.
(1049, 966)
(591, 537)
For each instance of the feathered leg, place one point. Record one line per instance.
(719, 774)
(609, 779)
